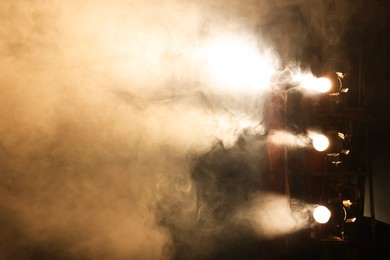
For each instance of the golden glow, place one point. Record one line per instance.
(237, 64)
(323, 85)
(320, 141)
(321, 214)
(308, 81)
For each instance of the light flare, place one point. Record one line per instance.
(236, 64)
(320, 141)
(310, 82)
(321, 214)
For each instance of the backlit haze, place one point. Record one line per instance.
(105, 104)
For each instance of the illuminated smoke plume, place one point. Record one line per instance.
(106, 111)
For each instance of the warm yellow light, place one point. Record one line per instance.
(237, 64)
(323, 85)
(321, 214)
(320, 142)
(311, 82)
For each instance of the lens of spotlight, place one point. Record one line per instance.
(320, 142)
(321, 214)
(323, 85)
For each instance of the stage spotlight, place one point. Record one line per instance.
(331, 83)
(334, 144)
(335, 83)
(321, 214)
(320, 142)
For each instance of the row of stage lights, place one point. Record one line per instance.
(333, 144)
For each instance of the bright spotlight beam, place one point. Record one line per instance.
(237, 64)
(321, 214)
(308, 81)
(288, 139)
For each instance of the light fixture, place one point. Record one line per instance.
(334, 144)
(336, 83)
(321, 214)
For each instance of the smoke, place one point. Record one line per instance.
(289, 139)
(106, 107)
(271, 215)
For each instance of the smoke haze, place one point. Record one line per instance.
(104, 107)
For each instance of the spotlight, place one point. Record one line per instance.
(335, 144)
(321, 214)
(335, 83)
(320, 142)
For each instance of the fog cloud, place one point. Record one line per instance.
(104, 105)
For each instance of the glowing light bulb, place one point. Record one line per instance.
(320, 142)
(321, 214)
(323, 85)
